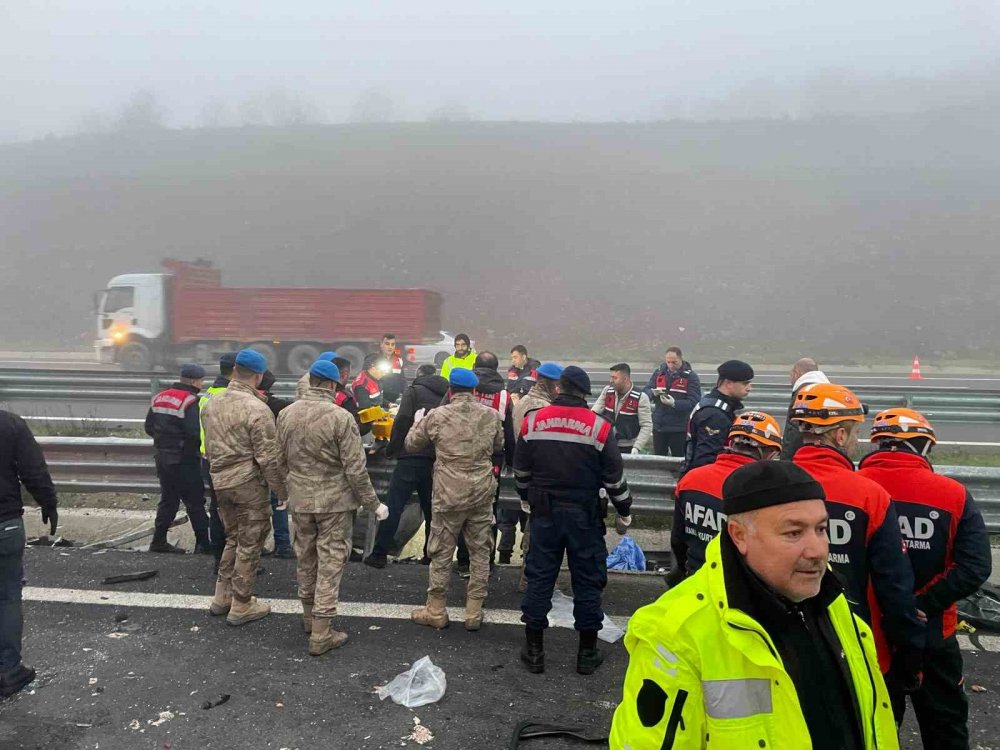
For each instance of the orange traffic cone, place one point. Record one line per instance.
(915, 370)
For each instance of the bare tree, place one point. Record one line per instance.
(142, 112)
(215, 113)
(450, 112)
(374, 105)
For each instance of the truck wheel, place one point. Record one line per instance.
(354, 354)
(300, 357)
(268, 352)
(135, 357)
(440, 358)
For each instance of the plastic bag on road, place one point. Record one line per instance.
(561, 616)
(627, 556)
(982, 608)
(421, 684)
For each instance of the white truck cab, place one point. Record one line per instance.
(131, 312)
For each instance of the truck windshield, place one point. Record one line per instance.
(118, 298)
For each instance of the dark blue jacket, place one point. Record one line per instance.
(685, 386)
(708, 428)
(173, 423)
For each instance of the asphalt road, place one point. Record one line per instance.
(99, 691)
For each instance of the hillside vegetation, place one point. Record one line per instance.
(848, 238)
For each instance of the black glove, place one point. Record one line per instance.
(908, 664)
(51, 517)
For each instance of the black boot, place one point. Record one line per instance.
(15, 680)
(202, 546)
(162, 545)
(588, 658)
(505, 557)
(533, 653)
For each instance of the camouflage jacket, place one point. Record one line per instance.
(320, 454)
(302, 386)
(536, 398)
(239, 439)
(465, 435)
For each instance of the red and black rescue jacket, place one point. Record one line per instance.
(866, 550)
(367, 391)
(945, 535)
(626, 421)
(173, 423)
(566, 453)
(698, 513)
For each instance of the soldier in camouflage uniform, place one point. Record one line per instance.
(240, 447)
(468, 440)
(320, 454)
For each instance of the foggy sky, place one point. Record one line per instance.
(66, 60)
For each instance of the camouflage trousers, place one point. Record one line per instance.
(322, 546)
(246, 516)
(476, 526)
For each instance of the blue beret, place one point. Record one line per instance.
(550, 370)
(576, 377)
(327, 356)
(251, 360)
(321, 368)
(227, 361)
(192, 371)
(463, 378)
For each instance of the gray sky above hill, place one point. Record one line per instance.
(70, 65)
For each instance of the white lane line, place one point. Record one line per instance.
(374, 610)
(371, 610)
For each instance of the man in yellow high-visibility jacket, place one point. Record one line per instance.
(463, 358)
(759, 648)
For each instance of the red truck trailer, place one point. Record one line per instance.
(185, 314)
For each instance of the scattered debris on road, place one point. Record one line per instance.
(217, 702)
(164, 717)
(420, 734)
(977, 689)
(143, 575)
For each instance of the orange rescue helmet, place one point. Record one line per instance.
(901, 424)
(824, 404)
(757, 426)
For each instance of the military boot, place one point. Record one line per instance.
(223, 599)
(533, 653)
(324, 638)
(473, 614)
(588, 658)
(244, 612)
(162, 545)
(433, 613)
(307, 616)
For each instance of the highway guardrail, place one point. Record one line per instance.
(88, 465)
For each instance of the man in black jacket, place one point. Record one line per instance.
(414, 471)
(713, 416)
(173, 423)
(21, 460)
(674, 389)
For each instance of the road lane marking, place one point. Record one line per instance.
(371, 610)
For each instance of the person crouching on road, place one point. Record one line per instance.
(759, 648)
(566, 454)
(467, 437)
(698, 511)
(173, 423)
(949, 550)
(241, 450)
(320, 455)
